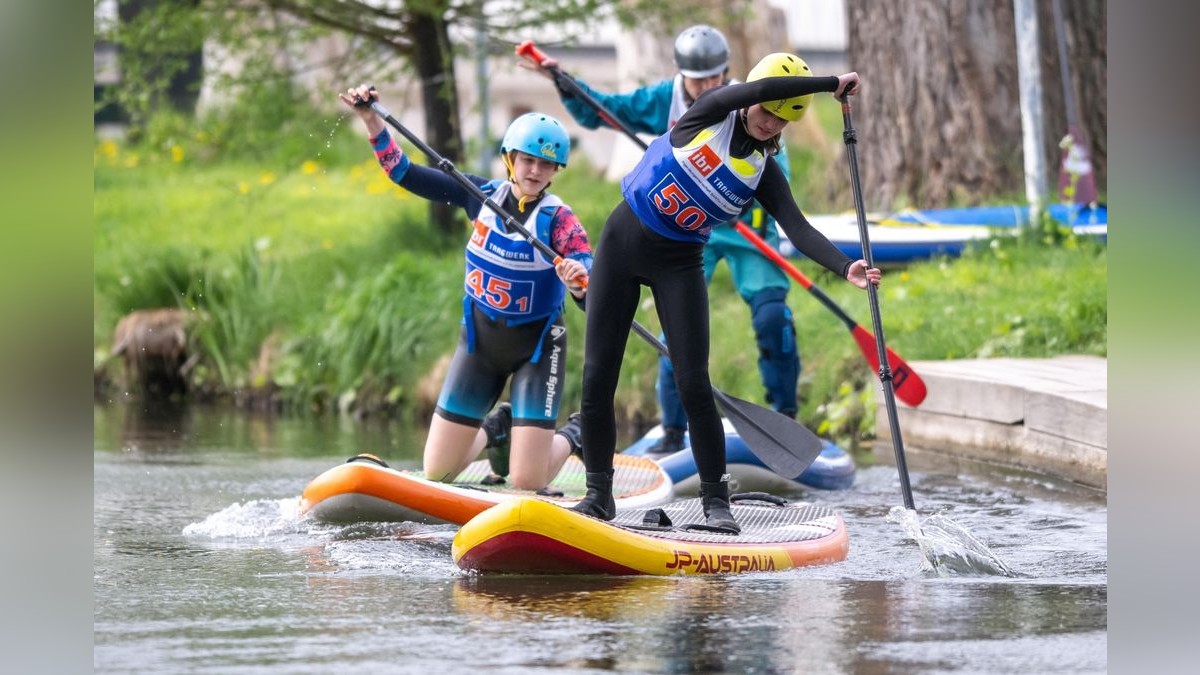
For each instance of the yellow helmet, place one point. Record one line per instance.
(780, 64)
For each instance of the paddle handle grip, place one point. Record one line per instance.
(529, 50)
(360, 103)
(583, 282)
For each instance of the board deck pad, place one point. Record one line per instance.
(761, 522)
(628, 478)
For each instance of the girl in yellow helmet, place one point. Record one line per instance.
(715, 160)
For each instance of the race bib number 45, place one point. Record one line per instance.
(510, 297)
(673, 202)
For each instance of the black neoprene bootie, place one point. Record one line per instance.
(573, 433)
(598, 502)
(714, 497)
(669, 443)
(498, 428)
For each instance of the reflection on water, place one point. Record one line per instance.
(653, 624)
(203, 562)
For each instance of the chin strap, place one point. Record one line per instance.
(524, 198)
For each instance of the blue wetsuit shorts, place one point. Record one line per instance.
(476, 379)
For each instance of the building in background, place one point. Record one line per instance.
(615, 59)
(611, 59)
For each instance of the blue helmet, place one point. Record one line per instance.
(540, 135)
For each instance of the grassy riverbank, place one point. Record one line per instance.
(319, 284)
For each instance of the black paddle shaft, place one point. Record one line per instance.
(885, 372)
(449, 169)
(783, 444)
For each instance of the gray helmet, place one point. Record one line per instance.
(701, 51)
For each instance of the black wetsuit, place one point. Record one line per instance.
(630, 254)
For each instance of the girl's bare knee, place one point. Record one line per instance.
(527, 480)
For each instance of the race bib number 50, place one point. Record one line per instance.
(673, 202)
(510, 297)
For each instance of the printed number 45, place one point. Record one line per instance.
(495, 291)
(672, 201)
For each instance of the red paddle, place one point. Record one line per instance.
(909, 386)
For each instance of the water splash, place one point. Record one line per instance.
(257, 519)
(949, 548)
(337, 123)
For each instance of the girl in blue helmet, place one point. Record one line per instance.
(512, 304)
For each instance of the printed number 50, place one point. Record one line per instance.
(672, 201)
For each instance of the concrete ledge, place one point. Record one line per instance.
(1081, 416)
(1046, 415)
(1008, 444)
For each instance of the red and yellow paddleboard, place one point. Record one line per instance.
(530, 536)
(366, 489)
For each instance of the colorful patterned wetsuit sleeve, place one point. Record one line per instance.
(391, 158)
(568, 237)
(431, 184)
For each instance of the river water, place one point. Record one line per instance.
(202, 564)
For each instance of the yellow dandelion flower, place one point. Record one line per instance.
(131, 161)
(904, 276)
(243, 187)
(310, 167)
(266, 178)
(109, 149)
(176, 154)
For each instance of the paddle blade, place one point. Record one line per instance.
(909, 386)
(783, 444)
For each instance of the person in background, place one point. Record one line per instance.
(512, 326)
(702, 57)
(714, 161)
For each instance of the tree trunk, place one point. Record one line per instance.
(1086, 28)
(184, 73)
(433, 61)
(939, 118)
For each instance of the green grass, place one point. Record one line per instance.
(339, 273)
